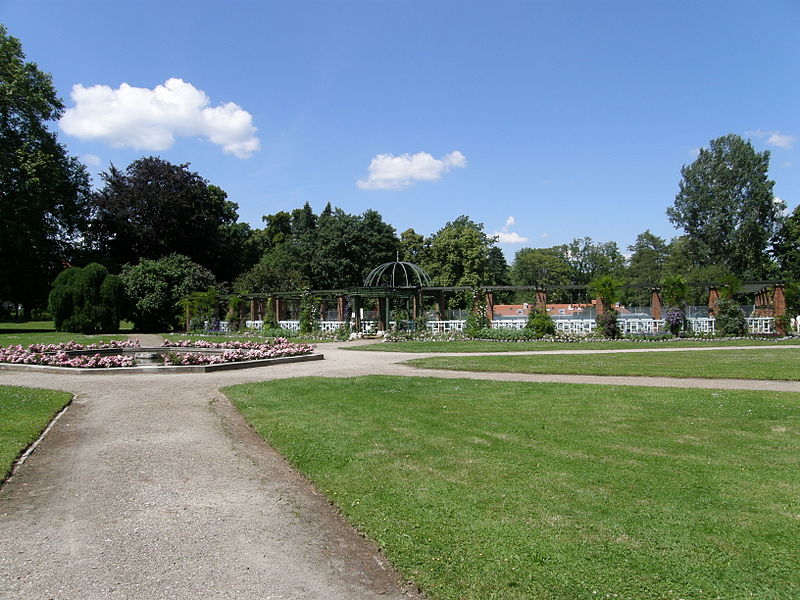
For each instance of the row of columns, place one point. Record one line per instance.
(769, 302)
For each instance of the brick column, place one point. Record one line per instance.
(357, 312)
(713, 297)
(441, 306)
(779, 307)
(600, 309)
(541, 301)
(253, 309)
(323, 311)
(280, 309)
(340, 316)
(655, 303)
(489, 305)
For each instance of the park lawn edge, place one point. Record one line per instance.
(36, 432)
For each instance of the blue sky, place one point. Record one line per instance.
(548, 120)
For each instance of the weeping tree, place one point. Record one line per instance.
(87, 300)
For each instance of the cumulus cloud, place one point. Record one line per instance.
(147, 119)
(504, 236)
(510, 237)
(775, 138)
(92, 160)
(389, 172)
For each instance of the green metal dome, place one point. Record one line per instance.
(397, 274)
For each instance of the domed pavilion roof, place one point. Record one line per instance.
(397, 274)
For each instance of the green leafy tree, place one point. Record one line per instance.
(458, 254)
(786, 246)
(543, 267)
(155, 289)
(87, 300)
(590, 260)
(412, 247)
(331, 250)
(646, 265)
(155, 208)
(43, 191)
(264, 277)
(727, 209)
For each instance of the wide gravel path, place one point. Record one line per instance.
(152, 486)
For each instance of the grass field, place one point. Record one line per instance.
(26, 338)
(768, 363)
(486, 490)
(484, 346)
(24, 413)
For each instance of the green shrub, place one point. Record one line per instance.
(156, 289)
(540, 324)
(607, 324)
(87, 300)
(309, 313)
(730, 319)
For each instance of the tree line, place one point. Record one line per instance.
(155, 222)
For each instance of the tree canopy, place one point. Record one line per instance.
(727, 208)
(155, 208)
(43, 191)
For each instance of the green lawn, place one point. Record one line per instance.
(739, 364)
(484, 490)
(484, 346)
(24, 413)
(26, 338)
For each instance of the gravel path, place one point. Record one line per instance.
(152, 486)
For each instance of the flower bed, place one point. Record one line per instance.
(64, 355)
(20, 356)
(71, 345)
(234, 351)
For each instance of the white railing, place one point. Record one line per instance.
(509, 323)
(702, 324)
(761, 324)
(573, 326)
(627, 326)
(444, 326)
(576, 326)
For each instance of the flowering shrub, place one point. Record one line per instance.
(72, 345)
(234, 351)
(675, 318)
(19, 355)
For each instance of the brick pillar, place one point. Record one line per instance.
(253, 309)
(357, 312)
(416, 305)
(323, 311)
(713, 297)
(280, 309)
(655, 303)
(441, 306)
(340, 316)
(779, 300)
(541, 301)
(489, 305)
(600, 309)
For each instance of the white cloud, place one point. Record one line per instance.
(510, 221)
(388, 172)
(544, 236)
(506, 237)
(147, 119)
(775, 138)
(92, 160)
